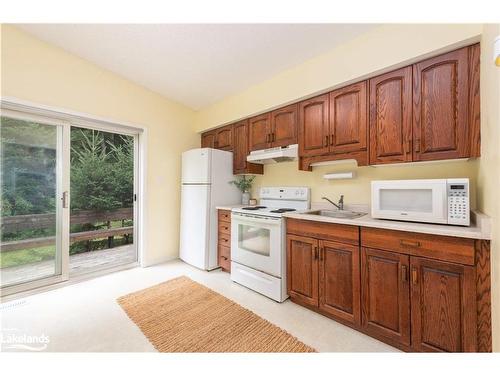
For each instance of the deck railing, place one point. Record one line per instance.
(12, 224)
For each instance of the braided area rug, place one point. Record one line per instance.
(181, 315)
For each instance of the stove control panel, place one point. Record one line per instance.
(285, 193)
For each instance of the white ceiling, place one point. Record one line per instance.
(196, 64)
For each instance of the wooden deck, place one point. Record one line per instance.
(79, 264)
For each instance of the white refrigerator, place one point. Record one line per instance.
(206, 174)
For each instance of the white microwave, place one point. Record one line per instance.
(440, 201)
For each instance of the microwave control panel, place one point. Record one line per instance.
(458, 202)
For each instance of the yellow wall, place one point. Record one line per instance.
(489, 164)
(376, 51)
(357, 190)
(36, 71)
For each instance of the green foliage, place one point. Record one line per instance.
(244, 183)
(26, 256)
(102, 170)
(28, 178)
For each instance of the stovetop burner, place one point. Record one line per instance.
(282, 210)
(253, 208)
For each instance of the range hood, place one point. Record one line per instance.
(274, 155)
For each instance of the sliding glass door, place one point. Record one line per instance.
(68, 201)
(102, 200)
(34, 206)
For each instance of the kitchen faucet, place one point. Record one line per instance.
(340, 204)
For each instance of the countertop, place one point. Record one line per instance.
(229, 207)
(480, 227)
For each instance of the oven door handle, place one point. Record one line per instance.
(251, 219)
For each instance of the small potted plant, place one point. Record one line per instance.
(244, 184)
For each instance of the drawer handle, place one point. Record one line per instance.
(225, 239)
(223, 257)
(225, 228)
(414, 275)
(404, 274)
(409, 243)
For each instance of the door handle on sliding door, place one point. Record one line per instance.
(64, 199)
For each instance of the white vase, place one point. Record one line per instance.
(245, 198)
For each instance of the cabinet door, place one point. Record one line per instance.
(240, 151)
(284, 126)
(240, 146)
(313, 126)
(443, 306)
(302, 269)
(385, 294)
(390, 117)
(208, 140)
(224, 138)
(260, 132)
(440, 108)
(348, 119)
(339, 292)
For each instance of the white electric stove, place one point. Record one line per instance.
(258, 247)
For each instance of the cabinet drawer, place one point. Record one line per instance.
(224, 215)
(224, 228)
(224, 239)
(224, 258)
(452, 249)
(325, 231)
(224, 251)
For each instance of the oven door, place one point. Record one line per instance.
(410, 200)
(256, 242)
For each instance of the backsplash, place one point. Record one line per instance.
(357, 190)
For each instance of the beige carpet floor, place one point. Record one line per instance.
(181, 315)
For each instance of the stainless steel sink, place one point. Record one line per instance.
(339, 214)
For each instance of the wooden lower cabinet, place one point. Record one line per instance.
(443, 313)
(302, 269)
(398, 294)
(324, 275)
(339, 281)
(385, 295)
(224, 240)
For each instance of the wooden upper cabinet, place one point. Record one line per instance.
(348, 119)
(208, 139)
(259, 132)
(385, 294)
(440, 109)
(443, 309)
(221, 138)
(224, 138)
(391, 117)
(240, 151)
(240, 146)
(302, 269)
(284, 126)
(313, 126)
(339, 291)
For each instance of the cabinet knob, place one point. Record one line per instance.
(414, 275)
(417, 145)
(409, 243)
(404, 274)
